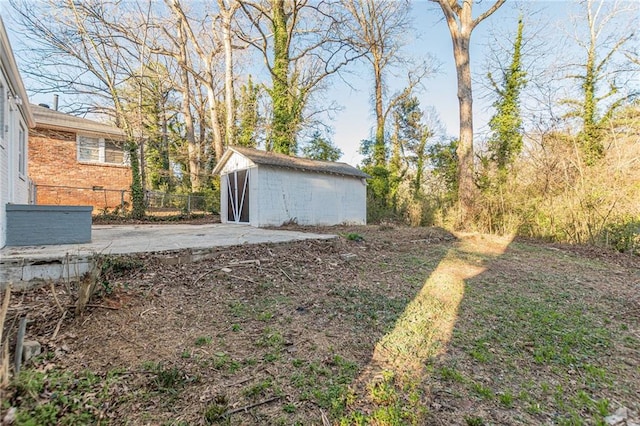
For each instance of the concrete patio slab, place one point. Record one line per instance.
(21, 265)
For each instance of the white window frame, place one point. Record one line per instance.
(22, 150)
(4, 127)
(101, 152)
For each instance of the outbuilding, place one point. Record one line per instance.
(262, 188)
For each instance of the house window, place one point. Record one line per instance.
(113, 153)
(88, 149)
(22, 151)
(99, 150)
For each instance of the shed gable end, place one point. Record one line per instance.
(236, 162)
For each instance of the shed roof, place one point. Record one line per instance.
(52, 119)
(273, 159)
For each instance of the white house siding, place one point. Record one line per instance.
(4, 185)
(15, 114)
(14, 185)
(306, 198)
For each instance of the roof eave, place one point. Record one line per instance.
(79, 129)
(225, 157)
(307, 170)
(261, 161)
(14, 76)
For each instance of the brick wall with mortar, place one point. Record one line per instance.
(59, 176)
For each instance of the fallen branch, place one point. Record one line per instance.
(19, 342)
(243, 278)
(5, 308)
(4, 357)
(325, 419)
(90, 305)
(286, 275)
(202, 276)
(145, 311)
(57, 330)
(55, 298)
(240, 382)
(228, 266)
(245, 262)
(250, 406)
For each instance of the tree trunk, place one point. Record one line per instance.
(215, 124)
(466, 185)
(420, 160)
(379, 150)
(461, 23)
(192, 147)
(229, 133)
(592, 146)
(281, 134)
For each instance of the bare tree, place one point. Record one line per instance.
(227, 12)
(207, 76)
(602, 44)
(461, 23)
(298, 42)
(185, 89)
(377, 29)
(78, 54)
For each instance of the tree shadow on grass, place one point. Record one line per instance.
(388, 390)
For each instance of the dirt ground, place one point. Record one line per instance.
(291, 333)
(157, 219)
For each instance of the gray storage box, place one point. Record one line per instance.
(30, 225)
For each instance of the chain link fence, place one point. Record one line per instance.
(161, 202)
(117, 201)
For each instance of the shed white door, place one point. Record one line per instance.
(238, 196)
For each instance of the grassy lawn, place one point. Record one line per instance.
(401, 326)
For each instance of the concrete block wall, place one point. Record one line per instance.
(53, 161)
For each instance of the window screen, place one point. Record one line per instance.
(113, 153)
(88, 149)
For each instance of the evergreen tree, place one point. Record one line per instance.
(444, 161)
(249, 116)
(397, 166)
(320, 148)
(412, 136)
(147, 103)
(378, 188)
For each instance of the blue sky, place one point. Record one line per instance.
(355, 121)
(431, 37)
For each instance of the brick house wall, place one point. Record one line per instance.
(61, 179)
